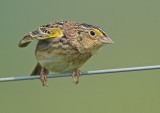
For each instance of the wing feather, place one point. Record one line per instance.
(42, 33)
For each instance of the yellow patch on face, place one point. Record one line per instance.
(53, 34)
(98, 32)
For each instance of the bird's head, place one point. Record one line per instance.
(92, 37)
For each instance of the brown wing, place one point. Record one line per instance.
(42, 33)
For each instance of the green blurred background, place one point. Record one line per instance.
(134, 25)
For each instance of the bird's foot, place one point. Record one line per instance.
(75, 75)
(43, 77)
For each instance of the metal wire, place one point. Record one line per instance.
(83, 73)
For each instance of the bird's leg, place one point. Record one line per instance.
(73, 76)
(78, 75)
(76, 78)
(43, 77)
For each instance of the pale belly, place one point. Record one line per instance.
(65, 59)
(57, 65)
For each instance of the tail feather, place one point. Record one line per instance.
(37, 70)
(25, 41)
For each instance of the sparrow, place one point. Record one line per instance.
(64, 46)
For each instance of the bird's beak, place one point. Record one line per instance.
(106, 40)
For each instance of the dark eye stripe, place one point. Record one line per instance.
(101, 30)
(92, 26)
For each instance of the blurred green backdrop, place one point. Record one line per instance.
(134, 25)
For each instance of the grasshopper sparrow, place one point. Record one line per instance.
(64, 46)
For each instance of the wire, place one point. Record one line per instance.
(83, 73)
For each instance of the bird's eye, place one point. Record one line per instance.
(92, 33)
